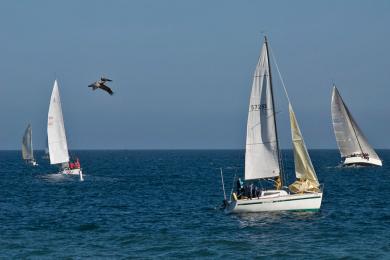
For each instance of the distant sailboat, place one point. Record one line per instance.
(58, 146)
(27, 147)
(262, 156)
(46, 152)
(353, 145)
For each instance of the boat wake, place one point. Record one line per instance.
(352, 166)
(56, 177)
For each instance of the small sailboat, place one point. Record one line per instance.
(353, 145)
(263, 164)
(57, 143)
(46, 152)
(27, 147)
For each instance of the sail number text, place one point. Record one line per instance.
(258, 107)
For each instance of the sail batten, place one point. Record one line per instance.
(349, 137)
(57, 144)
(261, 154)
(27, 148)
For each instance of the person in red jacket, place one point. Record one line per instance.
(77, 163)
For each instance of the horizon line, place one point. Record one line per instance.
(173, 149)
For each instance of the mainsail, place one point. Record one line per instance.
(350, 139)
(262, 155)
(27, 148)
(304, 170)
(58, 147)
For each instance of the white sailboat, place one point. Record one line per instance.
(262, 155)
(58, 146)
(353, 145)
(46, 152)
(27, 147)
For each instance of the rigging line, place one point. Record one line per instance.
(280, 75)
(353, 127)
(284, 177)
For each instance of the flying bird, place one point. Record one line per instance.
(101, 84)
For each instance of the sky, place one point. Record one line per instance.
(182, 70)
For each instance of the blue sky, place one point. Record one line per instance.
(182, 69)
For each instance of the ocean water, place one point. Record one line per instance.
(164, 204)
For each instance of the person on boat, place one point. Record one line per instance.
(240, 187)
(251, 190)
(246, 190)
(71, 165)
(278, 183)
(77, 163)
(257, 192)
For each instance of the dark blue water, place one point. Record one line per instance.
(163, 204)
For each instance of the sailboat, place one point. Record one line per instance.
(27, 147)
(353, 145)
(46, 152)
(57, 143)
(263, 159)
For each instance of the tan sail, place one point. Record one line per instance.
(306, 176)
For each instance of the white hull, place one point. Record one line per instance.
(32, 162)
(362, 161)
(72, 171)
(280, 202)
(77, 171)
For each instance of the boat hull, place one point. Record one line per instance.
(287, 202)
(32, 162)
(77, 171)
(362, 161)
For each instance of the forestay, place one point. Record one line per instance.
(350, 139)
(261, 156)
(58, 148)
(304, 170)
(27, 148)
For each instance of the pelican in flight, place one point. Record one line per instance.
(101, 84)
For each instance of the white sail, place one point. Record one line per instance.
(304, 170)
(58, 147)
(261, 155)
(27, 148)
(350, 139)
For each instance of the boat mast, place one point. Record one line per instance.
(273, 109)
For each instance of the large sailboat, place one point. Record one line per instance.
(263, 162)
(27, 147)
(57, 143)
(353, 145)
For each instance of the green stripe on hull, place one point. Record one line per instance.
(242, 204)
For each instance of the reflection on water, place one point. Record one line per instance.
(272, 218)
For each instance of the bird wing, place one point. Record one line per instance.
(105, 79)
(107, 89)
(93, 86)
